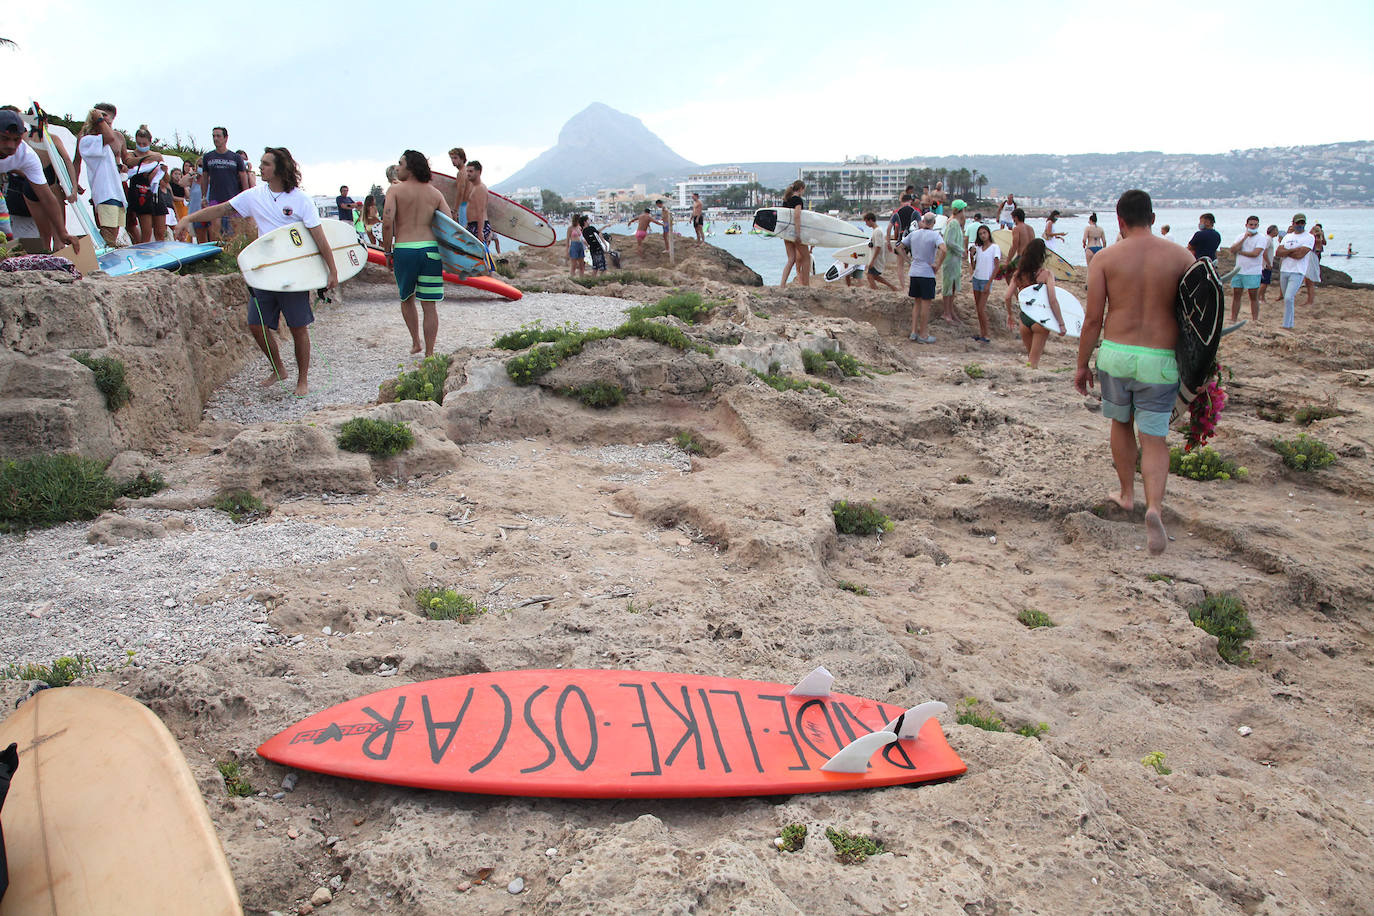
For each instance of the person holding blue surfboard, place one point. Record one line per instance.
(412, 253)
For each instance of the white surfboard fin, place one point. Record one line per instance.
(854, 756)
(815, 684)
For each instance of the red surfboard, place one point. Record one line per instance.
(620, 734)
(489, 284)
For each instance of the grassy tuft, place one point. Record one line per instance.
(1224, 617)
(425, 382)
(1304, 453)
(686, 307)
(48, 490)
(793, 837)
(109, 378)
(852, 848)
(227, 261)
(381, 438)
(642, 277)
(527, 335)
(1159, 577)
(1311, 413)
(241, 506)
(1206, 464)
(973, 370)
(447, 604)
(62, 672)
(851, 587)
(686, 441)
(774, 379)
(814, 362)
(971, 712)
(144, 485)
(1033, 729)
(1155, 761)
(858, 519)
(1034, 619)
(234, 782)
(598, 395)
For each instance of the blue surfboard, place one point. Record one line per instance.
(462, 252)
(168, 255)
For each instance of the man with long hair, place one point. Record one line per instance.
(1135, 284)
(16, 156)
(274, 202)
(412, 252)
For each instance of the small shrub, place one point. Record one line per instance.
(1272, 414)
(847, 364)
(381, 438)
(1155, 761)
(1311, 413)
(1034, 619)
(763, 315)
(971, 712)
(664, 334)
(688, 443)
(814, 363)
(447, 604)
(642, 277)
(1304, 453)
(973, 370)
(144, 485)
(1205, 464)
(852, 519)
(109, 378)
(1224, 617)
(529, 334)
(598, 395)
(425, 382)
(1159, 577)
(234, 782)
(852, 848)
(793, 837)
(851, 587)
(241, 506)
(963, 478)
(687, 307)
(62, 672)
(48, 490)
(778, 382)
(1033, 729)
(505, 270)
(227, 261)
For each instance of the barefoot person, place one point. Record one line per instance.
(1094, 239)
(642, 230)
(1135, 282)
(985, 258)
(1031, 271)
(927, 247)
(698, 217)
(952, 263)
(1249, 252)
(478, 224)
(459, 204)
(412, 253)
(277, 200)
(1021, 236)
(877, 254)
(798, 255)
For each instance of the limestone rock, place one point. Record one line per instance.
(293, 460)
(111, 528)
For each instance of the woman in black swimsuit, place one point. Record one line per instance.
(798, 255)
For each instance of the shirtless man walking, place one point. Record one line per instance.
(411, 251)
(642, 230)
(1021, 236)
(1135, 282)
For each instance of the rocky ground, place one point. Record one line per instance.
(645, 557)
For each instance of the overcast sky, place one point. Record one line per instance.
(348, 85)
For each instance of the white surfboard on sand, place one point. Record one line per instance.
(1035, 305)
(818, 229)
(288, 260)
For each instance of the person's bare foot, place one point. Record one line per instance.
(302, 388)
(416, 346)
(1155, 535)
(1126, 502)
(270, 380)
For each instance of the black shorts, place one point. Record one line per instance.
(698, 222)
(921, 288)
(266, 306)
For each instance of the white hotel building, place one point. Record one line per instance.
(712, 182)
(889, 178)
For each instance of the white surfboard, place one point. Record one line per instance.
(818, 229)
(518, 222)
(854, 254)
(288, 260)
(1035, 305)
(840, 271)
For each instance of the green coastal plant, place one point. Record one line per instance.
(1033, 729)
(1034, 619)
(778, 382)
(447, 604)
(1305, 453)
(1204, 464)
(859, 519)
(814, 362)
(688, 442)
(529, 334)
(848, 586)
(1224, 617)
(47, 490)
(241, 506)
(425, 382)
(973, 370)
(597, 395)
(144, 485)
(627, 277)
(62, 672)
(1311, 413)
(536, 362)
(852, 848)
(234, 782)
(1155, 761)
(971, 712)
(381, 438)
(793, 838)
(109, 378)
(686, 307)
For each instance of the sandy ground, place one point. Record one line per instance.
(729, 564)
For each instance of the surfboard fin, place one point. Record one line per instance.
(1235, 327)
(815, 684)
(854, 756)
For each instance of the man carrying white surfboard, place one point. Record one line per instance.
(275, 202)
(412, 253)
(1135, 284)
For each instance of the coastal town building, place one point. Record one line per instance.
(532, 197)
(888, 178)
(711, 183)
(609, 199)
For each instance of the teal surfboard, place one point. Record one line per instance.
(462, 252)
(168, 255)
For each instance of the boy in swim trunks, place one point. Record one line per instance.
(642, 230)
(411, 250)
(1135, 283)
(478, 224)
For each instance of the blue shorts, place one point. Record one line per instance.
(921, 287)
(1138, 380)
(980, 285)
(1266, 275)
(419, 270)
(1245, 281)
(266, 306)
(576, 250)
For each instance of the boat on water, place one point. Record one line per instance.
(734, 229)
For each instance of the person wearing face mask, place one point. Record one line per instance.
(101, 148)
(146, 174)
(1206, 240)
(1267, 274)
(1249, 251)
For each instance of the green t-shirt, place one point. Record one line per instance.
(955, 245)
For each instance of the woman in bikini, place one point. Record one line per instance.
(577, 248)
(1031, 271)
(1094, 239)
(798, 255)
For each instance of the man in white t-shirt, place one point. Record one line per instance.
(1004, 219)
(877, 253)
(100, 148)
(16, 156)
(277, 201)
(1293, 251)
(1249, 252)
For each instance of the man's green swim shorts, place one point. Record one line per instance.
(1139, 380)
(419, 270)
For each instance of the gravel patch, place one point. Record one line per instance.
(170, 600)
(358, 343)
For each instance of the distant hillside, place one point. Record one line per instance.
(599, 147)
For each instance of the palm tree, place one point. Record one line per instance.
(979, 179)
(862, 185)
(6, 43)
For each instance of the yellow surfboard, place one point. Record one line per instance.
(103, 814)
(1060, 268)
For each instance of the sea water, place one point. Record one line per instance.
(1342, 226)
